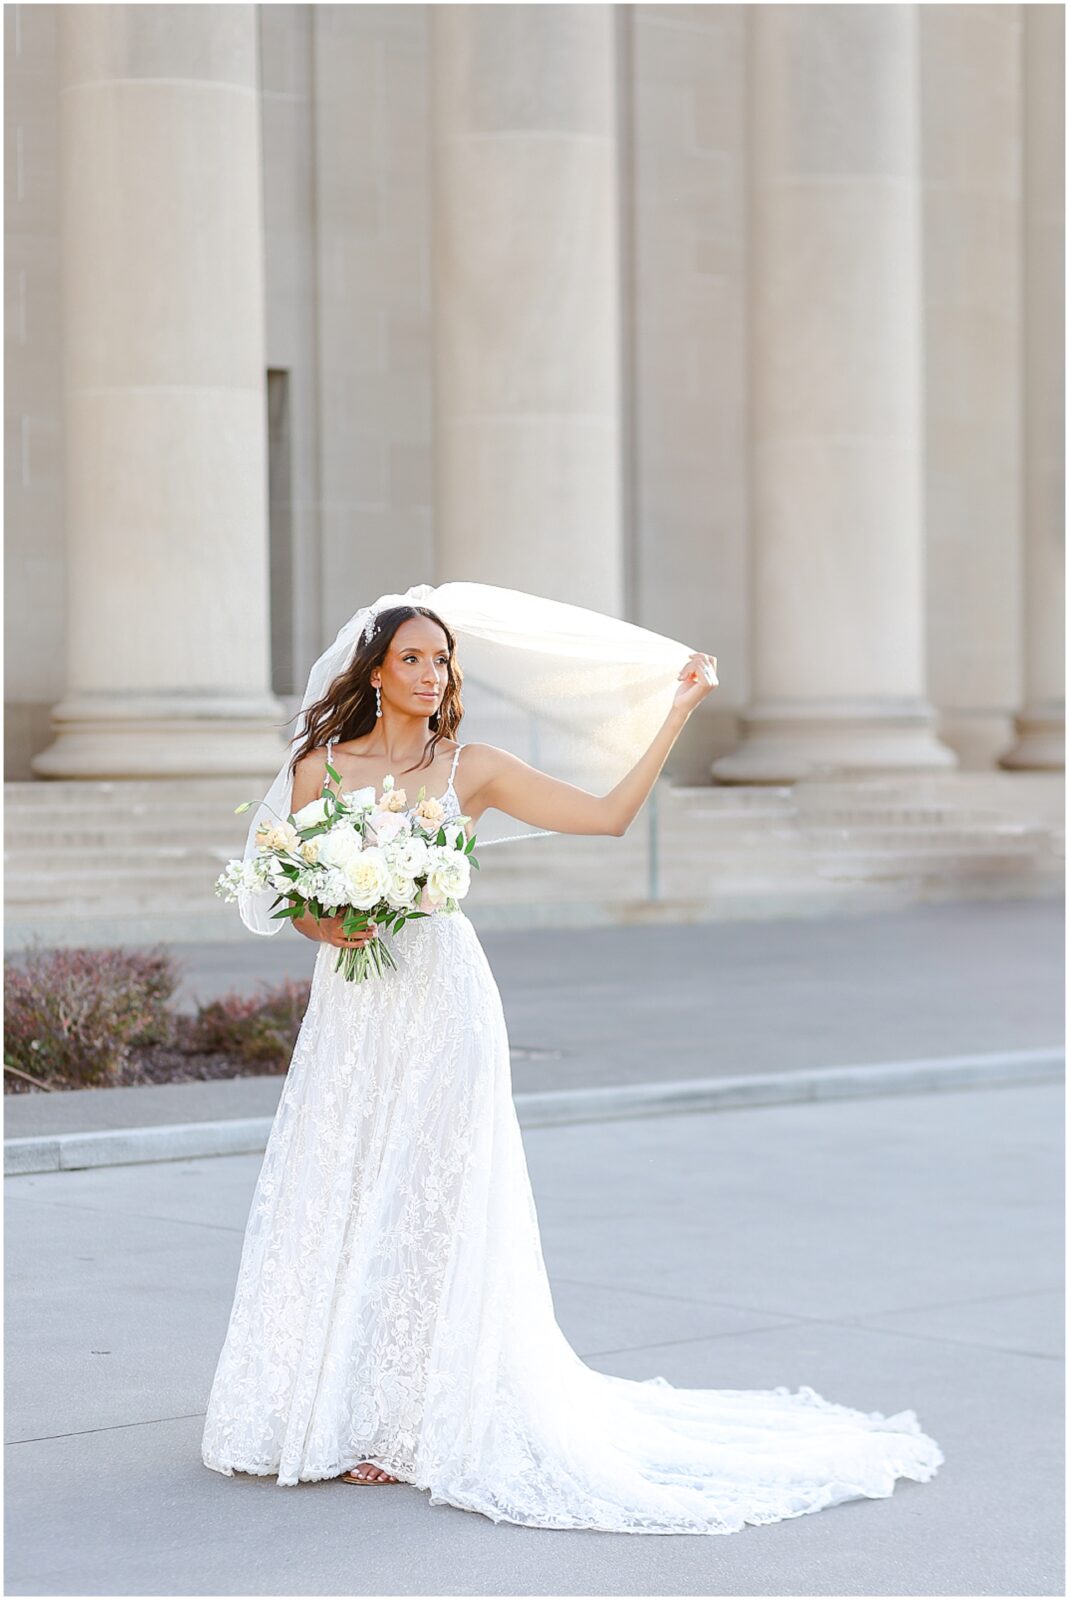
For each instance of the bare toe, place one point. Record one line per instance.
(366, 1472)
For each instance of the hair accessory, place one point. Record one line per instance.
(369, 625)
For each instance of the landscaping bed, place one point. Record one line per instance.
(83, 1019)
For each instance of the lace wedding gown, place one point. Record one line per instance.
(392, 1303)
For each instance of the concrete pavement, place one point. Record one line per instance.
(901, 1252)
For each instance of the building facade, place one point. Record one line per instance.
(745, 322)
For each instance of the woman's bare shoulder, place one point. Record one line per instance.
(309, 773)
(486, 756)
(486, 764)
(313, 761)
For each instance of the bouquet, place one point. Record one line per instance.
(371, 858)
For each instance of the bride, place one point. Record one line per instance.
(392, 1319)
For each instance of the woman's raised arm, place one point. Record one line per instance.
(505, 782)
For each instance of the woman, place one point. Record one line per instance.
(392, 1319)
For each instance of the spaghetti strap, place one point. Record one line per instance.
(456, 758)
(327, 779)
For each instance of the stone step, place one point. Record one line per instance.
(191, 862)
(145, 837)
(140, 839)
(107, 888)
(139, 791)
(722, 850)
(901, 863)
(24, 831)
(981, 834)
(875, 816)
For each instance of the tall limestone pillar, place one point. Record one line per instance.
(837, 569)
(164, 396)
(1041, 722)
(526, 300)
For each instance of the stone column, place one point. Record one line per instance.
(164, 396)
(1041, 723)
(526, 300)
(837, 528)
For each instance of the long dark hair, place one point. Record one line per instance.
(347, 710)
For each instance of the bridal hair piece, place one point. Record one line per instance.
(574, 692)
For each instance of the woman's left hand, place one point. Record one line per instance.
(697, 679)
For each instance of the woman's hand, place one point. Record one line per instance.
(328, 930)
(697, 679)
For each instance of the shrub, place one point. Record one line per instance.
(261, 1029)
(73, 1014)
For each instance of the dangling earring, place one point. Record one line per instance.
(378, 701)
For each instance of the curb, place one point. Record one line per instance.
(554, 1108)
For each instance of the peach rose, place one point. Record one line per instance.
(430, 814)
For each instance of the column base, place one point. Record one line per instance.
(164, 736)
(784, 741)
(1040, 743)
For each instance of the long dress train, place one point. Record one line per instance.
(392, 1303)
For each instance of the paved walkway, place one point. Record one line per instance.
(892, 1253)
(612, 1006)
(616, 1005)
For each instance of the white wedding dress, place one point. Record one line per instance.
(392, 1303)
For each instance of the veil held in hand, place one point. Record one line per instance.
(574, 692)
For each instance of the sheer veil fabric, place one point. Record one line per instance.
(392, 1302)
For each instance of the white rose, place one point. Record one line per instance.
(429, 900)
(402, 891)
(369, 878)
(339, 847)
(409, 856)
(450, 874)
(311, 815)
